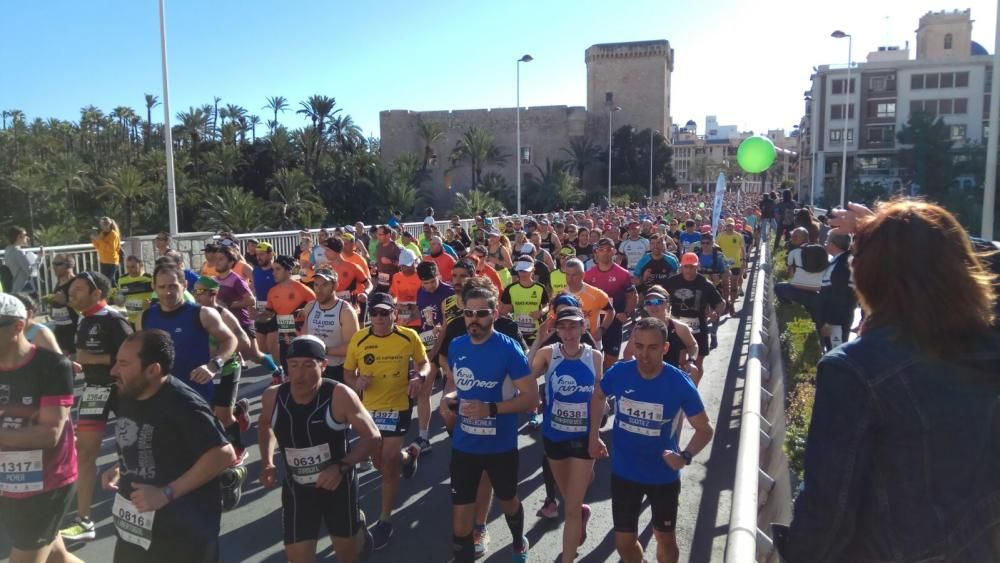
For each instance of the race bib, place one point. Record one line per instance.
(569, 417)
(133, 526)
(526, 324)
(693, 323)
(427, 337)
(305, 464)
(286, 323)
(386, 420)
(478, 426)
(345, 295)
(135, 306)
(60, 316)
(384, 278)
(261, 307)
(93, 400)
(21, 472)
(640, 417)
(407, 313)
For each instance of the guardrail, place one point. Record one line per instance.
(762, 488)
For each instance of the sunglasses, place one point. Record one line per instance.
(478, 313)
(203, 291)
(654, 302)
(381, 312)
(60, 263)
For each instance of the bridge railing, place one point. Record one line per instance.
(762, 487)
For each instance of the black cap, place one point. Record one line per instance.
(286, 262)
(570, 314)
(381, 300)
(307, 346)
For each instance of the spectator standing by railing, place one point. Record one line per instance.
(902, 460)
(23, 264)
(107, 240)
(837, 301)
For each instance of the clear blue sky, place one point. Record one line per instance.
(746, 62)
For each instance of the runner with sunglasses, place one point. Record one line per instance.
(682, 352)
(378, 368)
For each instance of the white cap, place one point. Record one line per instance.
(528, 248)
(524, 264)
(11, 306)
(407, 257)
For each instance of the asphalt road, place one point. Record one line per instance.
(252, 532)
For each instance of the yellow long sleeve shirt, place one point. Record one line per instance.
(107, 245)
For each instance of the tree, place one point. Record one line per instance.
(346, 134)
(215, 116)
(151, 102)
(476, 149)
(253, 121)
(582, 153)
(467, 205)
(235, 210)
(552, 187)
(430, 132)
(192, 125)
(126, 188)
(926, 156)
(276, 104)
(295, 198)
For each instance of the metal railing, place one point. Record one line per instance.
(761, 489)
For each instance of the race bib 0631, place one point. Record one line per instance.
(305, 464)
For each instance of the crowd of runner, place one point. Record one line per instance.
(568, 318)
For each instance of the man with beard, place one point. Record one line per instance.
(693, 299)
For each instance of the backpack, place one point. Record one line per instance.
(814, 258)
(788, 215)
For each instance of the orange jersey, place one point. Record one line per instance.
(356, 258)
(491, 273)
(404, 289)
(445, 263)
(592, 301)
(285, 299)
(209, 270)
(350, 279)
(305, 267)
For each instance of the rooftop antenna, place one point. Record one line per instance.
(887, 17)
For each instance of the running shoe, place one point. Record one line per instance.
(365, 465)
(82, 529)
(585, 516)
(424, 444)
(367, 545)
(241, 457)
(381, 532)
(522, 554)
(534, 421)
(549, 510)
(232, 486)
(412, 458)
(242, 413)
(481, 540)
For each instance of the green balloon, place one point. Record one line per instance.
(701, 205)
(756, 154)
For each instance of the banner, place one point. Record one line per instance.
(720, 190)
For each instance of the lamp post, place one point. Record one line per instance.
(167, 134)
(524, 59)
(652, 134)
(611, 114)
(847, 91)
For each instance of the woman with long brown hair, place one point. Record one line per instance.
(903, 455)
(107, 240)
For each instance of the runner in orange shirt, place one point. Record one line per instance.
(404, 289)
(445, 262)
(478, 257)
(352, 284)
(305, 259)
(351, 256)
(285, 302)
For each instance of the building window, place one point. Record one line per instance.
(961, 80)
(881, 135)
(931, 80)
(947, 41)
(837, 111)
(881, 109)
(944, 107)
(835, 135)
(917, 82)
(838, 86)
(961, 106)
(958, 131)
(877, 83)
(525, 155)
(947, 79)
(609, 97)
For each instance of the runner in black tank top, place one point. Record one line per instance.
(673, 355)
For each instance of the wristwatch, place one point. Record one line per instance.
(168, 492)
(493, 409)
(687, 457)
(218, 363)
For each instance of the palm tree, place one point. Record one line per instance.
(476, 148)
(151, 102)
(276, 104)
(318, 108)
(551, 185)
(234, 209)
(582, 153)
(227, 160)
(126, 188)
(192, 124)
(295, 198)
(254, 121)
(6, 114)
(345, 132)
(215, 116)
(430, 132)
(467, 205)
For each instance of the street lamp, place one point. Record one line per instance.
(847, 91)
(167, 136)
(524, 59)
(652, 134)
(611, 114)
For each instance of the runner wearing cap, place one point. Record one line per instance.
(693, 300)
(714, 266)
(332, 320)
(616, 282)
(571, 370)
(526, 299)
(646, 460)
(285, 302)
(308, 418)
(352, 284)
(378, 367)
(436, 305)
(172, 456)
(37, 449)
(437, 254)
(404, 288)
(100, 333)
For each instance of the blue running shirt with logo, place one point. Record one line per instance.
(569, 385)
(486, 372)
(646, 417)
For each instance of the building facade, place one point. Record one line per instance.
(634, 76)
(949, 78)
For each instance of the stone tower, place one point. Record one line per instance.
(943, 35)
(634, 76)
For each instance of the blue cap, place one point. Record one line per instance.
(566, 299)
